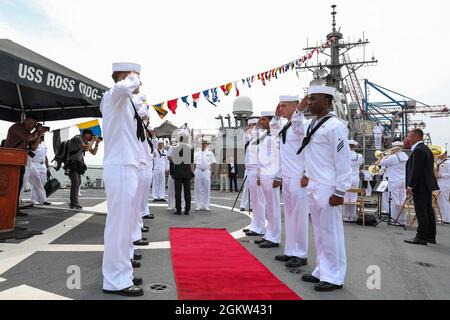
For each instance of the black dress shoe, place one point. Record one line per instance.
(132, 291)
(245, 230)
(253, 234)
(76, 207)
(260, 241)
(137, 257)
(296, 262)
(141, 243)
(145, 229)
(135, 264)
(177, 213)
(417, 241)
(283, 258)
(186, 213)
(432, 241)
(326, 287)
(310, 278)
(47, 203)
(268, 245)
(137, 281)
(242, 209)
(150, 216)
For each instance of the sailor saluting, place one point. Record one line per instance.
(124, 138)
(329, 174)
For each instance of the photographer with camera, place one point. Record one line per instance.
(25, 135)
(75, 166)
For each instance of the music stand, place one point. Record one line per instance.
(380, 188)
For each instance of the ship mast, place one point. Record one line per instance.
(338, 62)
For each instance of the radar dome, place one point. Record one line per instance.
(243, 106)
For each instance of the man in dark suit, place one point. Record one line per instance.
(420, 183)
(181, 170)
(232, 174)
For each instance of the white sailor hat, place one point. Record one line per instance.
(126, 67)
(353, 143)
(268, 114)
(161, 141)
(287, 98)
(253, 121)
(397, 144)
(322, 90)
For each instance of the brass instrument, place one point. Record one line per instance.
(375, 168)
(437, 151)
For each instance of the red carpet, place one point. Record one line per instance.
(209, 264)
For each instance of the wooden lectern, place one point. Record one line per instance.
(10, 162)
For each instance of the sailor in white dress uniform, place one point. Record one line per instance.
(349, 210)
(443, 179)
(329, 174)
(204, 159)
(38, 170)
(292, 167)
(268, 167)
(161, 167)
(395, 164)
(124, 141)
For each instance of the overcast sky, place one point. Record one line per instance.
(189, 46)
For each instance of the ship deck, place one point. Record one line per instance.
(40, 267)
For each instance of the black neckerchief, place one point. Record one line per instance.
(283, 132)
(161, 154)
(261, 139)
(311, 130)
(140, 134)
(440, 163)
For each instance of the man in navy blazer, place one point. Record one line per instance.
(420, 183)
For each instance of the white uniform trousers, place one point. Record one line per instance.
(145, 211)
(273, 210)
(159, 184)
(257, 204)
(296, 218)
(171, 195)
(38, 176)
(202, 188)
(245, 193)
(224, 183)
(444, 199)
(385, 201)
(26, 178)
(121, 186)
(331, 261)
(398, 196)
(368, 189)
(349, 210)
(378, 141)
(143, 175)
(32, 176)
